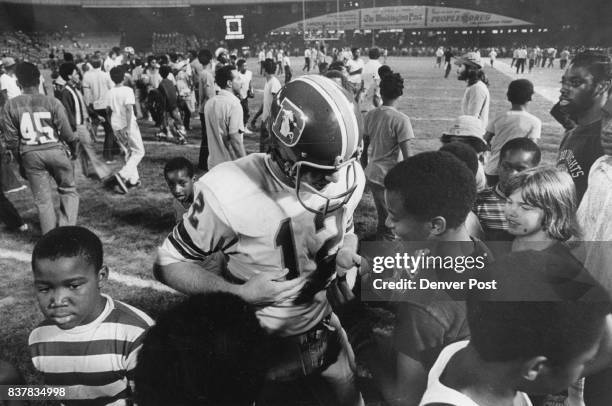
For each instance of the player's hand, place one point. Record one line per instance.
(268, 287)
(345, 260)
(8, 156)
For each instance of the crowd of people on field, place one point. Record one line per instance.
(278, 282)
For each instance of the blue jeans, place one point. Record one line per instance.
(54, 162)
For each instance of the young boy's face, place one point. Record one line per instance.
(68, 290)
(181, 185)
(405, 226)
(513, 162)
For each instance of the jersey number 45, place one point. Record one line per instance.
(33, 130)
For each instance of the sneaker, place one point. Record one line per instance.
(118, 190)
(23, 228)
(131, 185)
(161, 136)
(121, 183)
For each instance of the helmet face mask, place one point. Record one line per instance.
(333, 202)
(315, 129)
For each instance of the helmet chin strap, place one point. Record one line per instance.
(286, 166)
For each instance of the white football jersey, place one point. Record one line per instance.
(243, 210)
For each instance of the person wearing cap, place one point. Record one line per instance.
(469, 130)
(8, 80)
(515, 123)
(476, 98)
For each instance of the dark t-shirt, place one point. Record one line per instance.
(447, 56)
(579, 148)
(424, 327)
(168, 93)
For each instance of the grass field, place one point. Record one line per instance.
(132, 226)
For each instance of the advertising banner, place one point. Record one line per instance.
(403, 17)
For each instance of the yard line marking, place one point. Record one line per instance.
(114, 276)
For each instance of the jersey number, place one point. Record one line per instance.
(198, 207)
(286, 241)
(32, 129)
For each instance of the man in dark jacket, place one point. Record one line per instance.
(78, 117)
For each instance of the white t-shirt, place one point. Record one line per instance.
(272, 87)
(371, 82)
(493, 54)
(440, 53)
(521, 53)
(476, 101)
(286, 61)
(354, 65)
(370, 73)
(439, 393)
(307, 53)
(245, 78)
(509, 125)
(261, 56)
(9, 83)
(117, 98)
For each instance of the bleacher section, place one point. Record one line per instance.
(36, 47)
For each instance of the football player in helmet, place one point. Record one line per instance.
(284, 221)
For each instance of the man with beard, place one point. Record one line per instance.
(476, 98)
(584, 91)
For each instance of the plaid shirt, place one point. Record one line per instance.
(489, 207)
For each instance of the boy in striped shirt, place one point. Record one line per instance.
(515, 156)
(88, 341)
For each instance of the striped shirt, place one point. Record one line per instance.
(95, 361)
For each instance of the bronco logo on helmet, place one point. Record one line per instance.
(289, 123)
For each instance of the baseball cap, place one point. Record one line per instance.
(8, 62)
(471, 58)
(468, 127)
(220, 51)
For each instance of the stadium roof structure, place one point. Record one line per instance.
(147, 3)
